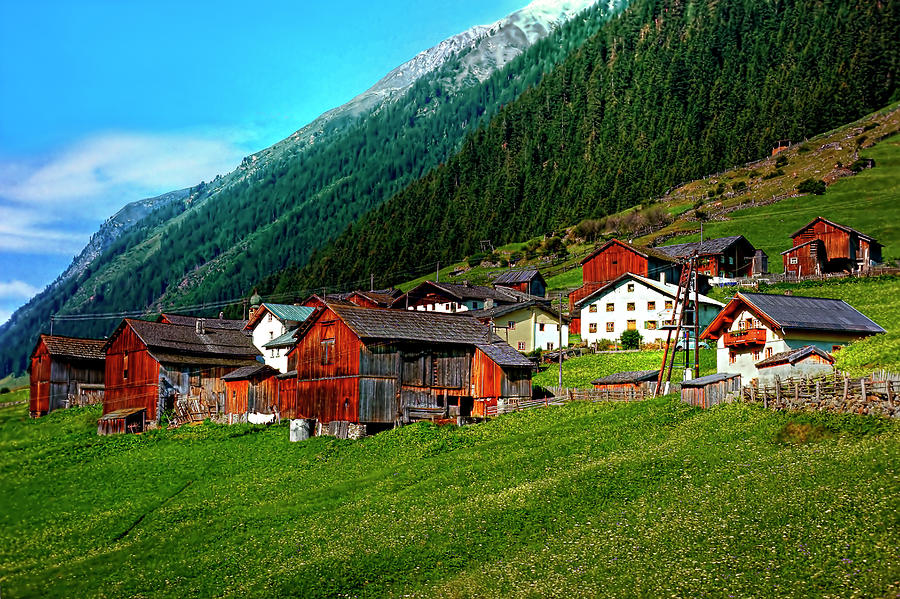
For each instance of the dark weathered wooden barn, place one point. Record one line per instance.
(383, 367)
(65, 371)
(153, 365)
(209, 323)
(529, 280)
(707, 391)
(720, 257)
(841, 249)
(616, 258)
(455, 297)
(636, 380)
(252, 390)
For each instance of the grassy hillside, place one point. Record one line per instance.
(579, 372)
(649, 499)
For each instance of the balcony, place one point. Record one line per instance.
(745, 338)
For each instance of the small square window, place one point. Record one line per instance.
(270, 317)
(592, 308)
(732, 357)
(650, 325)
(610, 307)
(632, 325)
(756, 354)
(668, 304)
(793, 261)
(610, 327)
(521, 346)
(511, 325)
(651, 305)
(630, 287)
(630, 306)
(592, 328)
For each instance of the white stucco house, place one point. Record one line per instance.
(754, 328)
(269, 326)
(633, 302)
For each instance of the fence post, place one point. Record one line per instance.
(818, 395)
(862, 382)
(846, 388)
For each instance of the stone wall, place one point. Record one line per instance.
(878, 394)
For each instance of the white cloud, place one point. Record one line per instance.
(17, 289)
(45, 206)
(4, 315)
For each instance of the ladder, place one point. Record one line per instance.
(688, 271)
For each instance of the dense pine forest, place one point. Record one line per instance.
(226, 237)
(670, 91)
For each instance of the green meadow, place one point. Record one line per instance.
(644, 499)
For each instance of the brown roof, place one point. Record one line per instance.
(641, 251)
(209, 323)
(177, 341)
(631, 376)
(795, 355)
(74, 347)
(833, 224)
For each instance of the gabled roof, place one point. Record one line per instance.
(641, 251)
(664, 288)
(709, 246)
(836, 226)
(283, 312)
(372, 324)
(209, 323)
(182, 344)
(710, 378)
(795, 355)
(286, 340)
(459, 292)
(73, 347)
(246, 372)
(800, 245)
(498, 311)
(794, 312)
(632, 376)
(516, 277)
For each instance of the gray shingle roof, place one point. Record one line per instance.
(286, 340)
(209, 323)
(632, 376)
(708, 379)
(429, 327)
(74, 347)
(709, 246)
(793, 356)
(246, 372)
(812, 313)
(515, 277)
(177, 340)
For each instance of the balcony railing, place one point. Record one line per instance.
(745, 337)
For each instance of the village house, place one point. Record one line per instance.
(823, 246)
(633, 302)
(754, 327)
(808, 361)
(65, 371)
(525, 326)
(616, 258)
(529, 281)
(269, 322)
(151, 365)
(383, 367)
(456, 297)
(722, 257)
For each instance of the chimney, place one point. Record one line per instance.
(221, 316)
(662, 277)
(488, 303)
(201, 328)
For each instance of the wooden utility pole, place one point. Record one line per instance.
(696, 323)
(371, 282)
(437, 274)
(560, 340)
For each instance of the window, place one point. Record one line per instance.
(792, 261)
(630, 306)
(271, 335)
(271, 353)
(550, 345)
(610, 307)
(630, 287)
(453, 306)
(632, 325)
(511, 325)
(650, 325)
(835, 348)
(270, 317)
(756, 355)
(327, 351)
(732, 357)
(592, 308)
(592, 328)
(541, 327)
(125, 365)
(610, 327)
(521, 346)
(668, 304)
(651, 305)
(768, 352)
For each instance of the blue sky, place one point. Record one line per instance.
(103, 103)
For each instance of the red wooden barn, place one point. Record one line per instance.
(382, 367)
(65, 371)
(529, 280)
(722, 256)
(615, 258)
(151, 365)
(252, 389)
(823, 246)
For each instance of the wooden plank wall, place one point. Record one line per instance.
(39, 399)
(141, 388)
(615, 261)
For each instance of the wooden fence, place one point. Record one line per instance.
(878, 393)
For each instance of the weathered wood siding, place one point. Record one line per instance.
(182, 381)
(612, 263)
(255, 395)
(287, 397)
(809, 260)
(55, 381)
(140, 389)
(39, 399)
(490, 380)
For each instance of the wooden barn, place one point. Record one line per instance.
(710, 390)
(383, 367)
(616, 258)
(529, 281)
(721, 257)
(839, 249)
(633, 385)
(65, 371)
(252, 390)
(152, 365)
(806, 361)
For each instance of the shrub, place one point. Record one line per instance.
(776, 173)
(754, 173)
(476, 259)
(814, 186)
(781, 161)
(4, 390)
(739, 186)
(515, 256)
(631, 340)
(804, 149)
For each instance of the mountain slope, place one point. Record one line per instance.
(284, 202)
(669, 91)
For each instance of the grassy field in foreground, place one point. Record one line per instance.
(586, 500)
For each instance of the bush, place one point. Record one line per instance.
(804, 149)
(781, 161)
(631, 340)
(589, 229)
(515, 257)
(776, 173)
(814, 186)
(739, 186)
(5, 390)
(476, 259)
